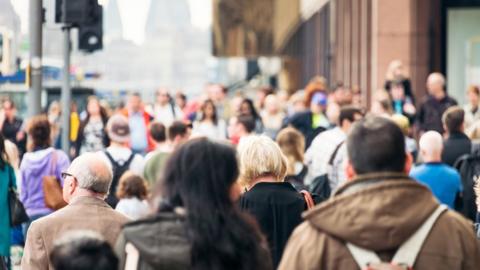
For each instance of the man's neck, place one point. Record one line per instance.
(435, 159)
(82, 193)
(439, 95)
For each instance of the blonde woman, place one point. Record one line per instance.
(275, 204)
(292, 144)
(396, 72)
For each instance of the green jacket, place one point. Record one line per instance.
(7, 178)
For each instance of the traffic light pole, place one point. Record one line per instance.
(66, 91)
(35, 32)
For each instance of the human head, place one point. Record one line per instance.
(3, 152)
(272, 104)
(247, 108)
(9, 108)
(93, 106)
(209, 111)
(395, 70)
(83, 250)
(402, 122)
(178, 133)
(262, 93)
(135, 102)
(89, 174)
(181, 100)
(397, 90)
(260, 156)
(342, 95)
(431, 146)
(38, 130)
(348, 115)
(473, 95)
(376, 144)
(158, 132)
(453, 119)
(436, 85)
(315, 85)
(382, 105)
(118, 129)
(162, 96)
(240, 126)
(319, 102)
(292, 144)
(131, 185)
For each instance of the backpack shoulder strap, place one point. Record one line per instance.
(334, 154)
(408, 251)
(109, 156)
(129, 160)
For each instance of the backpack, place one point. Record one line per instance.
(405, 256)
(320, 185)
(118, 171)
(469, 168)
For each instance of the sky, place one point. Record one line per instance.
(133, 13)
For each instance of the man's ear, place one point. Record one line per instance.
(408, 162)
(349, 171)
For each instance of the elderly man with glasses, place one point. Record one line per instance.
(86, 184)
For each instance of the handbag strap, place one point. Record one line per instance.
(308, 199)
(53, 165)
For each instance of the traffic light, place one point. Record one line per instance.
(90, 35)
(76, 12)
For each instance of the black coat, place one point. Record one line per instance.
(303, 122)
(277, 207)
(429, 115)
(456, 145)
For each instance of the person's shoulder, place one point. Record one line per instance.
(454, 221)
(450, 171)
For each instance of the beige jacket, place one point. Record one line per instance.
(84, 213)
(379, 212)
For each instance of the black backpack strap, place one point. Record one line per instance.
(334, 154)
(110, 158)
(129, 160)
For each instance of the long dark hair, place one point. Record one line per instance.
(204, 107)
(3, 152)
(253, 111)
(199, 177)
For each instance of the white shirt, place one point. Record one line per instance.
(211, 131)
(121, 154)
(164, 113)
(320, 151)
(133, 208)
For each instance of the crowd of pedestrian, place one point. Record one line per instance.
(310, 181)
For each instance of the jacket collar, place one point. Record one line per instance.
(88, 200)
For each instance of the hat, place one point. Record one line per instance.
(319, 98)
(118, 129)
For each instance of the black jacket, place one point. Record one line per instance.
(303, 122)
(456, 145)
(277, 207)
(429, 115)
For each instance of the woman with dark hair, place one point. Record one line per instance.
(209, 124)
(198, 226)
(41, 160)
(7, 179)
(92, 136)
(247, 108)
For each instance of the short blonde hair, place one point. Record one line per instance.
(260, 156)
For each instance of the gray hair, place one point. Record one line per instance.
(92, 172)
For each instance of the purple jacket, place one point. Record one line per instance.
(34, 166)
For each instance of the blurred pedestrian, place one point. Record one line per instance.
(92, 135)
(435, 104)
(401, 103)
(247, 108)
(178, 133)
(327, 144)
(181, 101)
(313, 121)
(262, 94)
(275, 204)
(456, 143)
(138, 121)
(83, 250)
(218, 94)
(40, 161)
(443, 180)
(11, 126)
(292, 144)
(272, 116)
(240, 127)
(410, 143)
(382, 104)
(296, 104)
(165, 109)
(7, 176)
(209, 124)
(119, 155)
(378, 189)
(396, 73)
(472, 110)
(86, 184)
(54, 117)
(132, 194)
(197, 221)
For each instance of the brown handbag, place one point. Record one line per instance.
(52, 189)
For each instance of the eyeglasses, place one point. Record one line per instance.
(65, 174)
